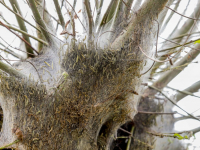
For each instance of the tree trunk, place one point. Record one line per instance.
(79, 101)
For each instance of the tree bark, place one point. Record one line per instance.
(80, 103)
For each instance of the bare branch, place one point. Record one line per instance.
(150, 9)
(181, 14)
(173, 135)
(166, 77)
(129, 140)
(157, 113)
(98, 9)
(90, 19)
(18, 36)
(174, 102)
(128, 8)
(188, 24)
(170, 16)
(176, 27)
(179, 45)
(183, 35)
(185, 29)
(40, 21)
(109, 13)
(76, 14)
(9, 51)
(19, 16)
(29, 35)
(184, 92)
(22, 26)
(183, 118)
(11, 71)
(9, 45)
(9, 144)
(153, 58)
(196, 130)
(191, 89)
(62, 21)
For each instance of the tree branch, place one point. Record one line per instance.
(9, 51)
(181, 14)
(185, 29)
(192, 89)
(1, 23)
(166, 77)
(9, 144)
(150, 9)
(11, 71)
(174, 102)
(29, 35)
(62, 21)
(127, 9)
(156, 113)
(183, 118)
(40, 21)
(179, 45)
(22, 26)
(90, 19)
(170, 16)
(19, 16)
(98, 9)
(9, 45)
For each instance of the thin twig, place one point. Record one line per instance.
(19, 16)
(5, 60)
(3, 147)
(154, 59)
(18, 36)
(158, 113)
(9, 45)
(129, 140)
(57, 20)
(181, 14)
(76, 15)
(174, 102)
(148, 69)
(28, 62)
(10, 52)
(21, 31)
(184, 92)
(156, 51)
(177, 44)
(22, 26)
(125, 131)
(161, 135)
(35, 69)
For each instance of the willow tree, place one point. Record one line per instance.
(81, 94)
